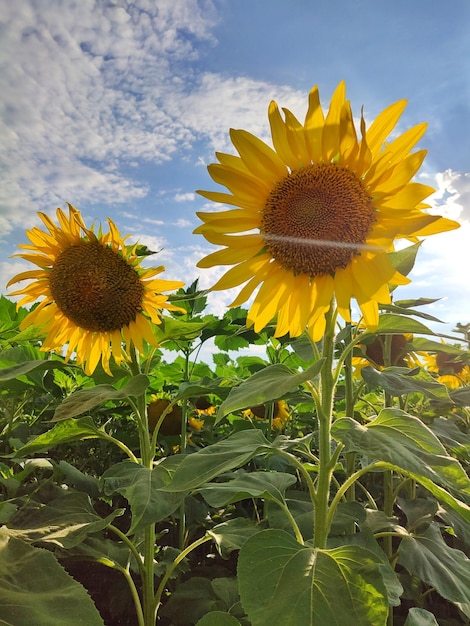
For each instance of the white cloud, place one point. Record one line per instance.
(81, 85)
(184, 197)
(441, 269)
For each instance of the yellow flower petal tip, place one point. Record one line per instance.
(323, 207)
(94, 294)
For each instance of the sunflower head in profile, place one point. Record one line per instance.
(96, 297)
(452, 370)
(316, 215)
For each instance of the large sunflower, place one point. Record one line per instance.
(96, 296)
(317, 214)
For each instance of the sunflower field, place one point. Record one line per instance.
(314, 471)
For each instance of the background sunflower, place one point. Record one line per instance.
(96, 297)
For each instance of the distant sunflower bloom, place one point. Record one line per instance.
(96, 296)
(281, 414)
(374, 353)
(452, 371)
(316, 216)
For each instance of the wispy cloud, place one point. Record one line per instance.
(82, 96)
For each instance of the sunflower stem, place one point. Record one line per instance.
(147, 457)
(324, 415)
(183, 441)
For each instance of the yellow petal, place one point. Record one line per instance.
(243, 185)
(296, 139)
(330, 137)
(242, 272)
(259, 158)
(383, 125)
(314, 121)
(279, 136)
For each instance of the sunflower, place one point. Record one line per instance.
(401, 353)
(96, 296)
(452, 371)
(316, 216)
(281, 414)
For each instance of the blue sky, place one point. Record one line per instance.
(117, 107)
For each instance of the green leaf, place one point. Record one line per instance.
(398, 381)
(64, 432)
(269, 384)
(202, 387)
(7, 373)
(404, 260)
(399, 438)
(402, 310)
(366, 540)
(35, 589)
(86, 399)
(428, 345)
(390, 324)
(204, 597)
(142, 487)
(172, 329)
(65, 521)
(420, 617)
(231, 535)
(428, 557)
(284, 582)
(218, 618)
(267, 485)
(199, 468)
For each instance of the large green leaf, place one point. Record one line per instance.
(267, 485)
(143, 489)
(365, 539)
(86, 399)
(36, 590)
(65, 521)
(398, 381)
(271, 383)
(284, 582)
(427, 556)
(64, 432)
(199, 468)
(399, 438)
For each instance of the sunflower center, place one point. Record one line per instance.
(95, 288)
(317, 218)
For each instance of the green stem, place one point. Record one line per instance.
(324, 415)
(182, 510)
(183, 554)
(120, 445)
(293, 523)
(135, 594)
(125, 539)
(147, 456)
(347, 485)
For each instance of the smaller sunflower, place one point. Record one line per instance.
(452, 370)
(204, 407)
(281, 414)
(96, 295)
(373, 353)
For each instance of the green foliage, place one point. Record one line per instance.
(354, 507)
